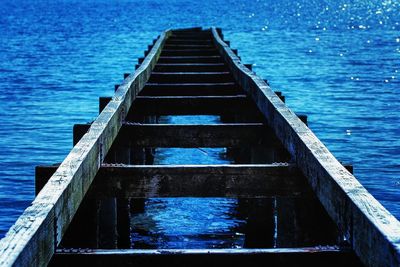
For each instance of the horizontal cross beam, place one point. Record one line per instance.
(147, 181)
(190, 136)
(190, 89)
(307, 256)
(192, 105)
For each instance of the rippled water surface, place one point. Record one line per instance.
(337, 61)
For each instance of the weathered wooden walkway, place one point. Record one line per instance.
(303, 207)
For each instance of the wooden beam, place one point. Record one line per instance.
(31, 241)
(209, 135)
(198, 35)
(266, 180)
(190, 67)
(146, 181)
(188, 46)
(188, 42)
(190, 136)
(190, 30)
(307, 256)
(187, 37)
(191, 77)
(190, 89)
(190, 59)
(194, 105)
(372, 231)
(189, 52)
(191, 34)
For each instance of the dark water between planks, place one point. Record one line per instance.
(337, 61)
(189, 222)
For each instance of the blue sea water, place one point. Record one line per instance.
(337, 61)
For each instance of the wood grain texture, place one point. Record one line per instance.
(190, 59)
(145, 181)
(187, 105)
(191, 105)
(31, 241)
(190, 89)
(254, 181)
(190, 77)
(372, 231)
(207, 135)
(189, 136)
(306, 256)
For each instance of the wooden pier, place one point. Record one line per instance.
(303, 207)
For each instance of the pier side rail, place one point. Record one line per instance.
(32, 240)
(372, 231)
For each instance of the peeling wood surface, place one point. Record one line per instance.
(31, 241)
(373, 232)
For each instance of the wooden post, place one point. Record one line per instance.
(108, 223)
(122, 155)
(260, 229)
(260, 225)
(138, 157)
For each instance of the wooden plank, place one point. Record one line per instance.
(190, 59)
(190, 89)
(146, 181)
(194, 105)
(207, 135)
(371, 230)
(190, 37)
(190, 136)
(307, 256)
(190, 30)
(190, 67)
(188, 46)
(31, 241)
(191, 77)
(197, 34)
(188, 42)
(252, 181)
(189, 52)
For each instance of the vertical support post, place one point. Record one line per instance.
(107, 214)
(107, 223)
(260, 225)
(138, 157)
(123, 155)
(260, 228)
